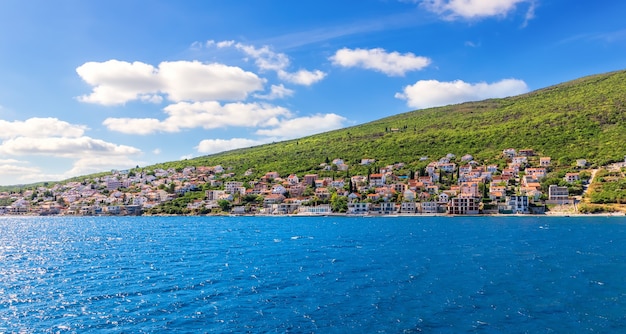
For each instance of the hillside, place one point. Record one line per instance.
(584, 118)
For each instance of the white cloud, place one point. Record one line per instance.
(12, 161)
(195, 81)
(393, 64)
(277, 92)
(51, 137)
(304, 126)
(264, 58)
(302, 77)
(156, 151)
(207, 115)
(78, 147)
(40, 128)
(210, 146)
(475, 9)
(116, 82)
(431, 93)
(268, 60)
(139, 126)
(8, 169)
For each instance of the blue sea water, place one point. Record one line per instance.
(313, 275)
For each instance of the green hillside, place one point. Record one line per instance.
(584, 118)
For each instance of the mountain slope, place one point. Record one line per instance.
(584, 118)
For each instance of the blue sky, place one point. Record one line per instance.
(89, 86)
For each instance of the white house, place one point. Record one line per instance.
(518, 204)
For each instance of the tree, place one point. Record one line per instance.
(224, 205)
(338, 203)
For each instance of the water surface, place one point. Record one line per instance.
(322, 274)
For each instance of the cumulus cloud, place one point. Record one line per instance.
(475, 9)
(51, 137)
(432, 93)
(302, 77)
(116, 82)
(276, 92)
(268, 60)
(392, 64)
(14, 170)
(64, 147)
(285, 129)
(304, 126)
(40, 128)
(210, 146)
(207, 115)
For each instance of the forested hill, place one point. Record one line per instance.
(584, 118)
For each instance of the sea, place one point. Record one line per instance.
(518, 274)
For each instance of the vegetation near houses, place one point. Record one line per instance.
(608, 187)
(582, 119)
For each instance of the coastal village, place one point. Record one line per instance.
(449, 185)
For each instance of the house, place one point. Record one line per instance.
(286, 208)
(463, 206)
(338, 184)
(293, 179)
(373, 197)
(443, 198)
(232, 187)
(424, 196)
(272, 199)
(432, 189)
(428, 207)
(558, 194)
(278, 189)
(572, 177)
(310, 179)
(387, 208)
(353, 197)
(526, 152)
(470, 189)
(581, 163)
(497, 192)
(466, 169)
(322, 193)
(408, 207)
(518, 204)
(509, 153)
(520, 160)
(537, 173)
(545, 161)
(272, 175)
(447, 167)
(377, 180)
(467, 157)
(323, 209)
(296, 190)
(358, 208)
(509, 173)
(409, 195)
(492, 169)
(366, 162)
(430, 168)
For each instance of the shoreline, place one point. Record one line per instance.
(398, 215)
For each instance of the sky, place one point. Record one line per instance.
(91, 86)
